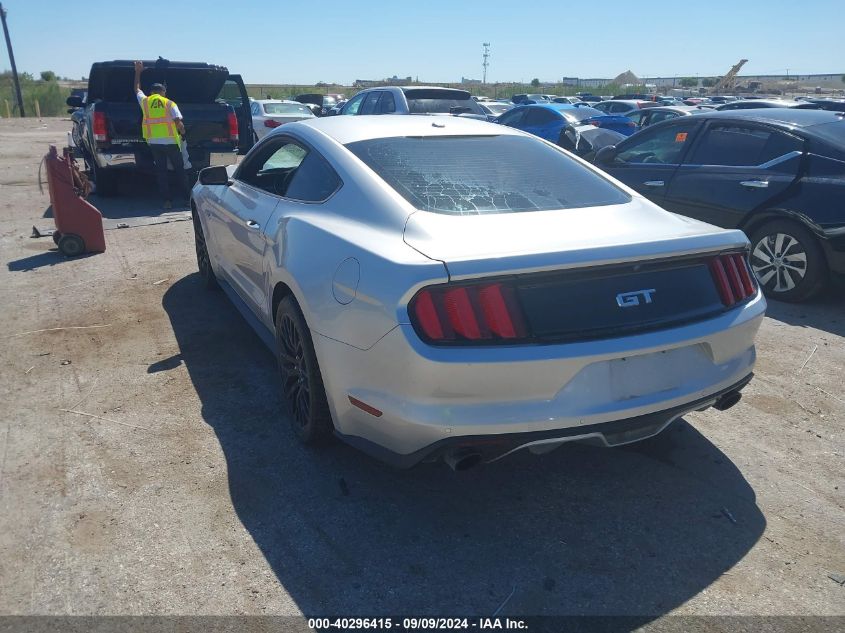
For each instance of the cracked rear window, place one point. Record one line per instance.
(469, 175)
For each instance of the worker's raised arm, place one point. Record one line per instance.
(139, 68)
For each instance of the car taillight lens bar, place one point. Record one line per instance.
(733, 279)
(478, 312)
(233, 127)
(101, 129)
(271, 123)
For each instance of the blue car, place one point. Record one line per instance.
(548, 120)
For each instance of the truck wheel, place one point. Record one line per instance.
(71, 245)
(302, 384)
(105, 180)
(788, 261)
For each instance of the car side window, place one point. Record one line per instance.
(387, 105)
(538, 116)
(513, 117)
(602, 106)
(313, 181)
(657, 117)
(273, 166)
(369, 105)
(742, 145)
(662, 146)
(618, 108)
(354, 104)
(254, 109)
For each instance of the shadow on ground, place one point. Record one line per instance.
(136, 196)
(826, 312)
(582, 530)
(41, 260)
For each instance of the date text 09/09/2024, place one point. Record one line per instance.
(416, 624)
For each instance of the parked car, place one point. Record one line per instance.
(268, 114)
(650, 116)
(833, 105)
(775, 173)
(414, 100)
(753, 104)
(319, 104)
(107, 125)
(547, 120)
(529, 98)
(623, 108)
(572, 100)
(425, 304)
(493, 109)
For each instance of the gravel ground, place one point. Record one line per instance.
(145, 469)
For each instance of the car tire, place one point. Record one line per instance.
(302, 384)
(788, 261)
(71, 245)
(209, 279)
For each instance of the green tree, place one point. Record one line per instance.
(535, 82)
(48, 75)
(689, 82)
(709, 82)
(843, 79)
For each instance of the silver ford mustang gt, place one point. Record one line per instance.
(436, 287)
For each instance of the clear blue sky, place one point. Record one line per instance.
(302, 41)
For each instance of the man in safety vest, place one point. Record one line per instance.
(163, 130)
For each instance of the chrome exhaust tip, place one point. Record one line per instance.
(462, 459)
(727, 401)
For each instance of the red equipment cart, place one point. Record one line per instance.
(79, 225)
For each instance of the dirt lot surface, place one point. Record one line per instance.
(145, 467)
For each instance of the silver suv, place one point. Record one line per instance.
(413, 100)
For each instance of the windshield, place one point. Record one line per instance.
(496, 108)
(287, 108)
(440, 101)
(581, 113)
(833, 132)
(470, 175)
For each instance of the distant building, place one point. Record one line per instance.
(467, 80)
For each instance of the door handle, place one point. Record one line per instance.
(654, 183)
(253, 224)
(755, 184)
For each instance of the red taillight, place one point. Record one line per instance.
(271, 123)
(477, 312)
(733, 279)
(101, 128)
(233, 127)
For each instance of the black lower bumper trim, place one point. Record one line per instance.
(491, 446)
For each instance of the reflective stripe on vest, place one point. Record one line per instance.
(157, 122)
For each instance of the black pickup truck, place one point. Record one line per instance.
(107, 126)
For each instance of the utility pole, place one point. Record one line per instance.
(484, 62)
(12, 60)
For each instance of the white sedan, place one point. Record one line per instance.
(442, 287)
(268, 114)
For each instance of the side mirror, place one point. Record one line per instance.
(74, 101)
(216, 175)
(606, 155)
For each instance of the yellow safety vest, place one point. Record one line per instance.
(157, 122)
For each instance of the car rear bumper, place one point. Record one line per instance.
(432, 397)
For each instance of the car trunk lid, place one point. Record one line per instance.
(583, 273)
